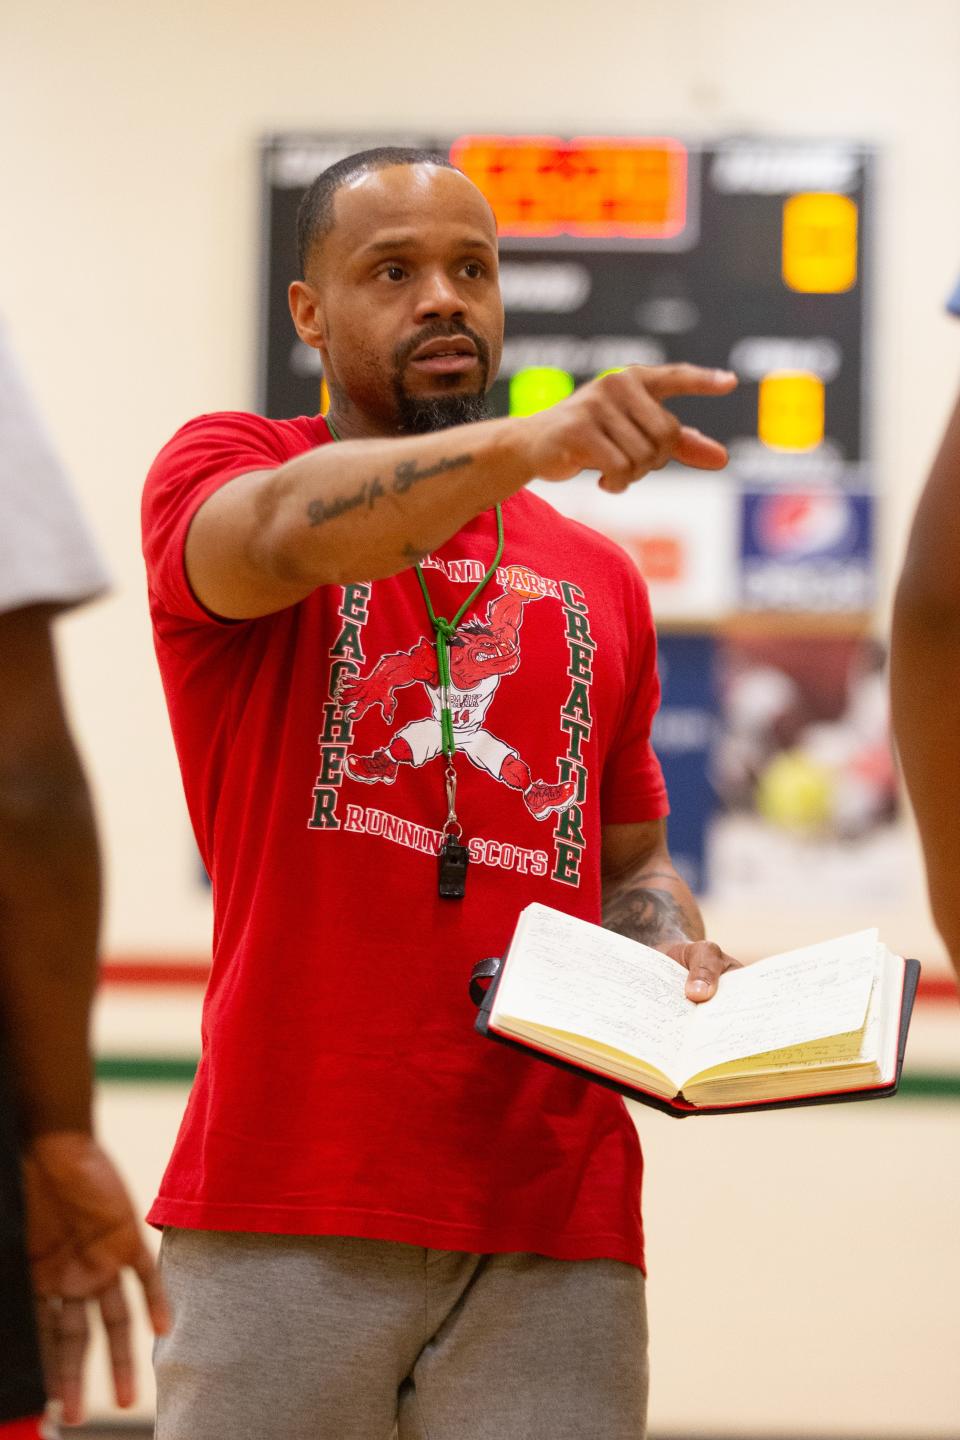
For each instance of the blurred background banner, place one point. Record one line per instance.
(807, 550)
(804, 774)
(685, 737)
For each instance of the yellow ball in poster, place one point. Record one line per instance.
(796, 792)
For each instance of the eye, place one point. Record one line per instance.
(474, 270)
(394, 272)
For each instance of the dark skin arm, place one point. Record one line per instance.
(925, 680)
(49, 883)
(645, 899)
(81, 1228)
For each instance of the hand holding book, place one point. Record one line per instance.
(824, 1022)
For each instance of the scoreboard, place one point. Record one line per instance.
(747, 253)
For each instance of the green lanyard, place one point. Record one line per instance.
(451, 855)
(445, 630)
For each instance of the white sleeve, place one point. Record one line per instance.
(47, 555)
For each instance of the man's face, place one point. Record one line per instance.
(406, 298)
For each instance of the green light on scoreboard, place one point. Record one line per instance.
(537, 388)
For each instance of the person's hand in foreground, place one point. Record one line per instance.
(82, 1233)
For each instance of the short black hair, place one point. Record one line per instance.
(315, 215)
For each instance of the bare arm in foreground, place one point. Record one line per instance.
(925, 680)
(81, 1228)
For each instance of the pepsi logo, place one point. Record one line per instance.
(799, 525)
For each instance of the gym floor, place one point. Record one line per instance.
(144, 1432)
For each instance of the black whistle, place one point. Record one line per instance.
(453, 858)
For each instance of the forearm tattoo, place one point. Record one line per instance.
(368, 492)
(643, 911)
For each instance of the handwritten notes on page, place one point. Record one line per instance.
(574, 976)
(567, 975)
(790, 999)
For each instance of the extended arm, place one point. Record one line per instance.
(366, 509)
(49, 883)
(925, 680)
(646, 899)
(82, 1230)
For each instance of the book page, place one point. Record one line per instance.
(866, 1058)
(830, 1053)
(570, 975)
(887, 1020)
(786, 1000)
(605, 1059)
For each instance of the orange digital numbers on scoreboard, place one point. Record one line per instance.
(593, 188)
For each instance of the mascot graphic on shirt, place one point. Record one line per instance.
(481, 654)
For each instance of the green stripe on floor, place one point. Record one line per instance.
(917, 1085)
(145, 1070)
(177, 1070)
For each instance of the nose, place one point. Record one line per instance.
(438, 298)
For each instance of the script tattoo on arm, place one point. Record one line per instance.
(407, 474)
(641, 910)
(368, 492)
(319, 511)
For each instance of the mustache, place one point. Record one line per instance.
(441, 330)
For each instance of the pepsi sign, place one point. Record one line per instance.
(807, 550)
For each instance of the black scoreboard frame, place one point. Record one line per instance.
(723, 267)
(714, 294)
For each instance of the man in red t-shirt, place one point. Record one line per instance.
(379, 657)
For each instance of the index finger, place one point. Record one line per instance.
(662, 381)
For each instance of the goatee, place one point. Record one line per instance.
(420, 415)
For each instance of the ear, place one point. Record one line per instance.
(306, 309)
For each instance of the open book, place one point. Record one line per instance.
(826, 1022)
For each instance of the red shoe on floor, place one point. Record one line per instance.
(375, 769)
(542, 799)
(31, 1429)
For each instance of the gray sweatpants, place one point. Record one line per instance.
(329, 1338)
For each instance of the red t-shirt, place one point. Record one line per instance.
(341, 1087)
